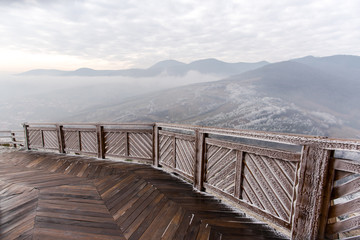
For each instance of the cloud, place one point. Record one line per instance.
(139, 33)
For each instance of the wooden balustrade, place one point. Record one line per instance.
(299, 184)
(12, 138)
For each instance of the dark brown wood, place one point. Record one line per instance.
(42, 137)
(100, 141)
(126, 144)
(61, 141)
(199, 160)
(140, 145)
(130, 130)
(346, 225)
(79, 140)
(349, 207)
(273, 153)
(238, 173)
(177, 135)
(174, 150)
(297, 139)
(185, 156)
(52, 196)
(349, 187)
(13, 139)
(347, 165)
(310, 195)
(329, 181)
(155, 146)
(266, 168)
(245, 205)
(180, 173)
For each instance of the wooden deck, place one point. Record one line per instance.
(57, 196)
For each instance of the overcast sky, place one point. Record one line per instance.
(116, 34)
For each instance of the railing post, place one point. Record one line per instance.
(13, 139)
(61, 141)
(127, 144)
(156, 146)
(42, 138)
(238, 173)
(199, 160)
(26, 136)
(313, 179)
(100, 141)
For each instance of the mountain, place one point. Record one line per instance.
(337, 65)
(170, 67)
(292, 96)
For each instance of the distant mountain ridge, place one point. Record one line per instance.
(170, 67)
(296, 96)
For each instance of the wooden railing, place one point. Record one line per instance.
(12, 138)
(306, 186)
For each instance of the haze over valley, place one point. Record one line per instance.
(310, 95)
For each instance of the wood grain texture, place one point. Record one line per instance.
(344, 211)
(312, 182)
(264, 182)
(53, 196)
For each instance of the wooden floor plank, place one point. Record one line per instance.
(53, 196)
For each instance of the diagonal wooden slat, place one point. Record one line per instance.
(35, 138)
(273, 190)
(185, 156)
(282, 177)
(140, 145)
(166, 150)
(50, 139)
(88, 141)
(115, 143)
(71, 140)
(221, 170)
(216, 164)
(264, 203)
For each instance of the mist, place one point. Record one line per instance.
(49, 98)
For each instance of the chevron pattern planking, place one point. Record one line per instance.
(53, 196)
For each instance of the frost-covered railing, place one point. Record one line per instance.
(307, 186)
(12, 138)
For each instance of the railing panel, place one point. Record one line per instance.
(177, 151)
(140, 145)
(344, 212)
(35, 138)
(88, 141)
(50, 139)
(311, 195)
(166, 150)
(254, 176)
(221, 168)
(71, 138)
(271, 180)
(185, 156)
(115, 144)
(12, 138)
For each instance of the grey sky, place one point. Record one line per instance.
(133, 33)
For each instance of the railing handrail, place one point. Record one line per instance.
(12, 138)
(89, 124)
(285, 138)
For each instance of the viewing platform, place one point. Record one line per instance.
(53, 196)
(177, 182)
